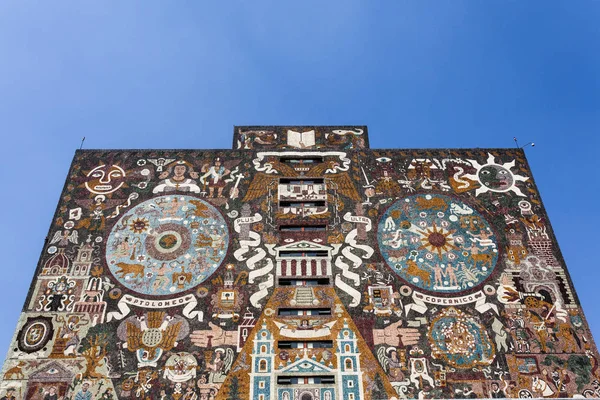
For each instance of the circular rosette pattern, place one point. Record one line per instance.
(437, 243)
(460, 339)
(167, 245)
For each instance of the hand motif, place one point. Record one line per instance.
(394, 335)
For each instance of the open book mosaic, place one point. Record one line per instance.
(300, 265)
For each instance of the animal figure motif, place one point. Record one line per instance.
(137, 270)
(541, 386)
(437, 204)
(200, 210)
(400, 254)
(15, 372)
(485, 259)
(569, 338)
(413, 269)
(182, 278)
(458, 210)
(460, 183)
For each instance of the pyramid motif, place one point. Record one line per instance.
(323, 355)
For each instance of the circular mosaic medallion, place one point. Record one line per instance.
(167, 245)
(34, 335)
(168, 242)
(460, 339)
(437, 243)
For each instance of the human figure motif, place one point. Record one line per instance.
(438, 273)
(10, 394)
(95, 220)
(218, 242)
(500, 334)
(304, 324)
(51, 394)
(162, 280)
(520, 332)
(190, 394)
(550, 322)
(70, 332)
(496, 392)
(450, 273)
(175, 179)
(394, 365)
(170, 209)
(123, 248)
(560, 378)
(214, 177)
(483, 238)
(84, 393)
(56, 295)
(386, 185)
(64, 237)
(217, 365)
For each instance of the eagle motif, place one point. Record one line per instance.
(152, 334)
(259, 187)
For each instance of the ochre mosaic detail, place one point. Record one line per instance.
(301, 265)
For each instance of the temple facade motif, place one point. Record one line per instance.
(301, 265)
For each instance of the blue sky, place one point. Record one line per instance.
(158, 74)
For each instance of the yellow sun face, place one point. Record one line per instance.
(494, 177)
(437, 240)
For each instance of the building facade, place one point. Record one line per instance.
(301, 265)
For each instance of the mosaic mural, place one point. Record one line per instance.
(300, 265)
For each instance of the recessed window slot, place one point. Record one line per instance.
(304, 181)
(301, 204)
(303, 228)
(304, 311)
(313, 344)
(306, 380)
(303, 282)
(302, 254)
(297, 161)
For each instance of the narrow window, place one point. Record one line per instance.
(309, 344)
(304, 311)
(348, 364)
(303, 228)
(303, 282)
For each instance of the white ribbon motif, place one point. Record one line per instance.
(188, 311)
(357, 261)
(245, 246)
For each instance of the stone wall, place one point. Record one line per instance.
(300, 265)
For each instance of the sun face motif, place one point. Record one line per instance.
(437, 240)
(139, 225)
(495, 177)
